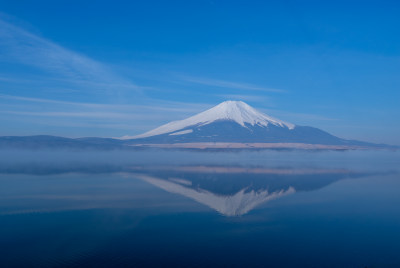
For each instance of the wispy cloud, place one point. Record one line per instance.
(19, 45)
(228, 84)
(295, 117)
(72, 114)
(153, 104)
(112, 118)
(241, 97)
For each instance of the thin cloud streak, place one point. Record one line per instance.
(71, 114)
(239, 97)
(167, 105)
(21, 46)
(136, 114)
(229, 84)
(298, 116)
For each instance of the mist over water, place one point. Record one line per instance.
(199, 209)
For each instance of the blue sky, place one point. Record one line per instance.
(123, 67)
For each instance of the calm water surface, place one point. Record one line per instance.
(188, 209)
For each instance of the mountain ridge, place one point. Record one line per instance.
(228, 125)
(237, 122)
(236, 111)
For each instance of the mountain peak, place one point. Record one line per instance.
(230, 107)
(237, 111)
(241, 113)
(232, 103)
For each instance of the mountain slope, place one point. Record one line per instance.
(229, 125)
(234, 111)
(236, 122)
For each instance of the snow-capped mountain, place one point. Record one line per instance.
(236, 122)
(235, 111)
(229, 125)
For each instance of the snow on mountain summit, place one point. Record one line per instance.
(236, 111)
(241, 113)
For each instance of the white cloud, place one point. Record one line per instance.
(153, 104)
(252, 98)
(296, 117)
(113, 117)
(228, 84)
(21, 46)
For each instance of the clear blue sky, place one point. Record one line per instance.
(114, 68)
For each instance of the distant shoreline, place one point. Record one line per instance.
(93, 143)
(237, 145)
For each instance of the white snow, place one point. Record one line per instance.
(237, 111)
(187, 131)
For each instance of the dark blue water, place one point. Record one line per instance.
(187, 209)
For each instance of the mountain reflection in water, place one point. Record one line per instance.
(186, 209)
(234, 191)
(231, 190)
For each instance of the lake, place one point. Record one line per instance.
(165, 208)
